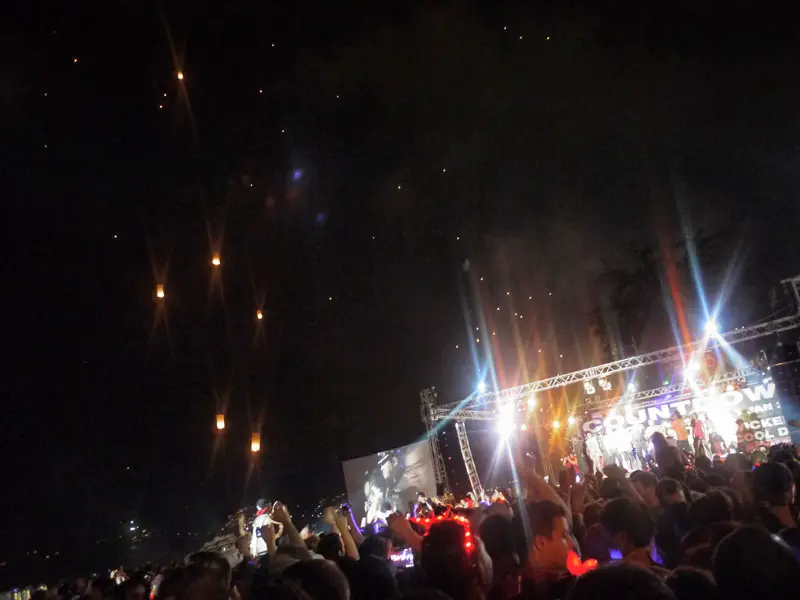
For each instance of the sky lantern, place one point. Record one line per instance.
(259, 314)
(160, 291)
(215, 259)
(255, 442)
(220, 421)
(180, 75)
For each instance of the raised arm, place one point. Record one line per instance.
(340, 523)
(282, 516)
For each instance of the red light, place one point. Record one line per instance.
(439, 518)
(427, 520)
(468, 545)
(467, 534)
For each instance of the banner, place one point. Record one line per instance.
(757, 406)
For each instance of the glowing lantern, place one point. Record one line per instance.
(180, 75)
(259, 314)
(255, 442)
(215, 259)
(220, 421)
(160, 290)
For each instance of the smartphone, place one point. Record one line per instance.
(403, 559)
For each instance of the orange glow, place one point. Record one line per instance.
(215, 259)
(180, 75)
(160, 290)
(255, 442)
(220, 421)
(556, 424)
(259, 314)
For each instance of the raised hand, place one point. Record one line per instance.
(280, 514)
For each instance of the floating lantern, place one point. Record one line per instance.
(160, 291)
(220, 421)
(255, 442)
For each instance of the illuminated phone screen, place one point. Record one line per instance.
(403, 559)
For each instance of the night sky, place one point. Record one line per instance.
(379, 179)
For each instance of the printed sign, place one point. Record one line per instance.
(766, 423)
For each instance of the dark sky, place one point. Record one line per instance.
(346, 158)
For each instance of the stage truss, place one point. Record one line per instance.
(486, 406)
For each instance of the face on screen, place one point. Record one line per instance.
(391, 477)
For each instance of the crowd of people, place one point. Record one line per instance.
(683, 528)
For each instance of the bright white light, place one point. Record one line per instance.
(556, 424)
(531, 402)
(523, 427)
(631, 387)
(481, 387)
(505, 426)
(571, 420)
(692, 367)
(711, 328)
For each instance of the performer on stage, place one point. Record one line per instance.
(257, 543)
(594, 452)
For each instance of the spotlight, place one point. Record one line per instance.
(711, 328)
(523, 427)
(481, 387)
(505, 426)
(631, 387)
(571, 420)
(556, 424)
(531, 402)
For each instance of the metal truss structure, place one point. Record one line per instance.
(676, 389)
(469, 463)
(485, 406)
(427, 401)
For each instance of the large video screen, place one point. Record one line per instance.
(385, 482)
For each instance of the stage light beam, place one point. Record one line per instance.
(711, 328)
